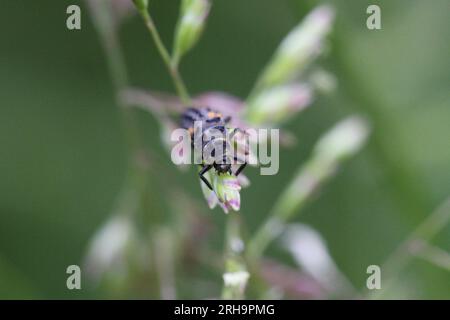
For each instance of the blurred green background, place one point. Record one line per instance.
(63, 155)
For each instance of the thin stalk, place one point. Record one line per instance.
(432, 254)
(235, 275)
(172, 68)
(334, 147)
(107, 33)
(425, 232)
(290, 202)
(164, 249)
(133, 194)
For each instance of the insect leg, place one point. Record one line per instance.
(240, 169)
(205, 169)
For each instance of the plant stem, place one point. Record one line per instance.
(292, 200)
(339, 143)
(400, 258)
(164, 249)
(431, 226)
(172, 68)
(432, 254)
(235, 275)
(104, 24)
(133, 192)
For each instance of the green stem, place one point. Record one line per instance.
(172, 68)
(134, 193)
(431, 254)
(118, 71)
(164, 249)
(292, 200)
(400, 258)
(235, 265)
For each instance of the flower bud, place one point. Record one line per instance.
(108, 245)
(210, 195)
(141, 4)
(227, 189)
(190, 26)
(278, 104)
(311, 253)
(343, 140)
(323, 81)
(236, 280)
(299, 47)
(244, 182)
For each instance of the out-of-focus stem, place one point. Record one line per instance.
(310, 177)
(400, 258)
(133, 192)
(338, 144)
(172, 68)
(432, 254)
(104, 24)
(431, 226)
(235, 276)
(165, 261)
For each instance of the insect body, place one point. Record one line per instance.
(210, 122)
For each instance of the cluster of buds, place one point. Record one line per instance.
(282, 90)
(226, 191)
(285, 87)
(278, 93)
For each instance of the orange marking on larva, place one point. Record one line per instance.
(191, 130)
(211, 115)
